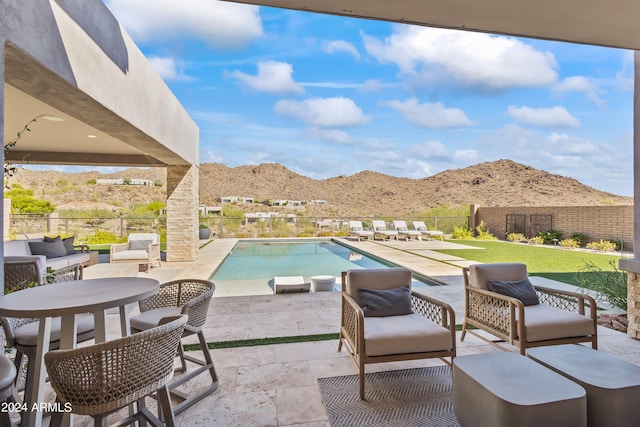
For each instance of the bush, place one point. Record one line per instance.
(100, 237)
(569, 244)
(602, 246)
(610, 286)
(549, 236)
(580, 238)
(535, 240)
(516, 237)
(462, 233)
(483, 232)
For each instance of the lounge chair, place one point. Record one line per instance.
(422, 228)
(356, 230)
(143, 248)
(380, 229)
(403, 231)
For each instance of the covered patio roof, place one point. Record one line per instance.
(612, 23)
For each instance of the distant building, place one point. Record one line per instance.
(209, 210)
(236, 199)
(265, 216)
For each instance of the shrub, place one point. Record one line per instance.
(483, 232)
(602, 246)
(535, 240)
(569, 244)
(610, 286)
(579, 237)
(550, 235)
(462, 233)
(516, 237)
(100, 237)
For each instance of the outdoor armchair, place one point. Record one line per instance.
(522, 314)
(383, 320)
(99, 379)
(142, 248)
(190, 297)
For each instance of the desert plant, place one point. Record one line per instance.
(101, 236)
(569, 243)
(602, 246)
(609, 286)
(462, 233)
(516, 237)
(535, 240)
(549, 236)
(483, 232)
(579, 237)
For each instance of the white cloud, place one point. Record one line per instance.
(586, 85)
(168, 68)
(323, 112)
(543, 117)
(272, 77)
(431, 55)
(430, 115)
(332, 135)
(220, 24)
(430, 150)
(337, 46)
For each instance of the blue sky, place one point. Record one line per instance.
(328, 96)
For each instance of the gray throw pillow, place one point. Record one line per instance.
(51, 249)
(139, 244)
(68, 244)
(520, 289)
(386, 302)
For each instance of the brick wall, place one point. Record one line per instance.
(596, 222)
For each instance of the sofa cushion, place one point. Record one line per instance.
(386, 302)
(480, 274)
(543, 322)
(412, 333)
(130, 255)
(520, 289)
(51, 249)
(151, 318)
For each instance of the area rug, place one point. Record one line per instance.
(408, 397)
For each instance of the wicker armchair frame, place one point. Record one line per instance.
(352, 331)
(193, 296)
(504, 317)
(102, 378)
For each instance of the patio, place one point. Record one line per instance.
(276, 385)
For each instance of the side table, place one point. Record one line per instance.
(93, 257)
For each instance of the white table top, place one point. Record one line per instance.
(78, 296)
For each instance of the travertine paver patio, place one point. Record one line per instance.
(276, 385)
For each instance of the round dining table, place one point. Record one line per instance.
(66, 300)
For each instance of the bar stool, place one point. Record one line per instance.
(7, 375)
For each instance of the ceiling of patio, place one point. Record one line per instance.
(611, 23)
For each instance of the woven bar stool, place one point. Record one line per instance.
(7, 394)
(190, 297)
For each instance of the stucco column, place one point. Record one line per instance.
(182, 212)
(632, 265)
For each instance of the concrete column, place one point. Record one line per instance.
(182, 212)
(632, 265)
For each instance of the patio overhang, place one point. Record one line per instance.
(612, 23)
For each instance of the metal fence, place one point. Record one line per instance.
(95, 230)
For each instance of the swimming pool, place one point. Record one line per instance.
(251, 266)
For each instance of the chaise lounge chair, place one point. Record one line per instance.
(356, 230)
(422, 228)
(380, 229)
(403, 231)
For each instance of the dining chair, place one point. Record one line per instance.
(22, 333)
(99, 379)
(190, 297)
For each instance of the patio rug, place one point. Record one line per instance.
(408, 397)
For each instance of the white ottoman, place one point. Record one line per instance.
(612, 385)
(506, 389)
(323, 283)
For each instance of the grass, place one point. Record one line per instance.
(552, 263)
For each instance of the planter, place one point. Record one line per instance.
(204, 233)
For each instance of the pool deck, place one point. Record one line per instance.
(276, 385)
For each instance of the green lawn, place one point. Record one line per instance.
(557, 264)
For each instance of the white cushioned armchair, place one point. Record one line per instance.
(553, 317)
(143, 248)
(383, 320)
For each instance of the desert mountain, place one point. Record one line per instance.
(498, 183)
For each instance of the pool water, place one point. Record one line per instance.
(254, 264)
